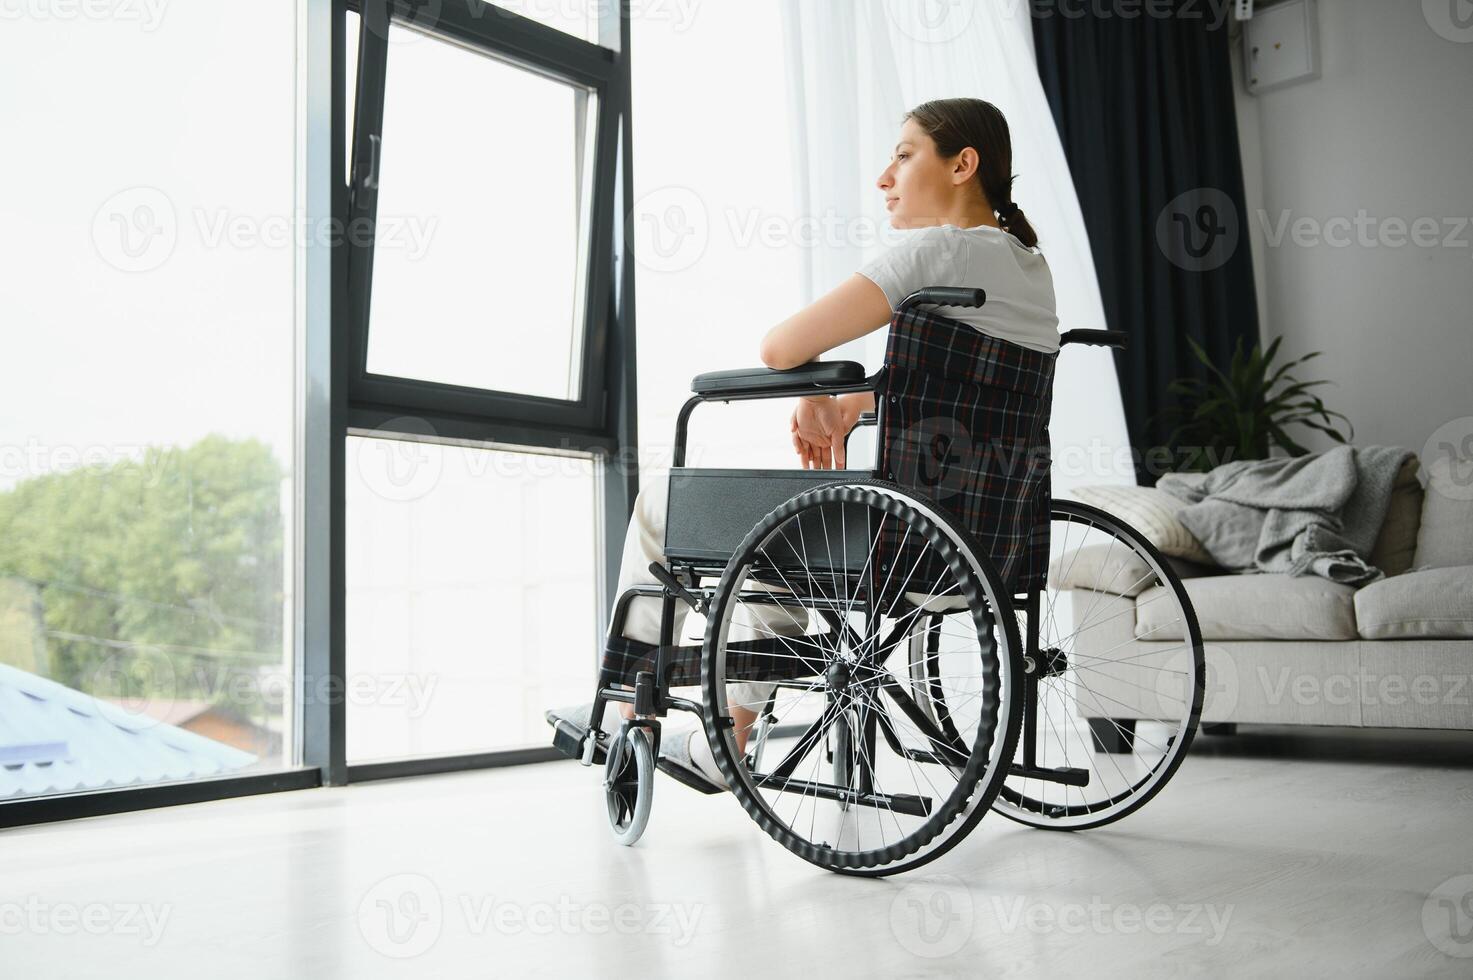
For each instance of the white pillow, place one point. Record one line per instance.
(1102, 568)
(1445, 539)
(1150, 511)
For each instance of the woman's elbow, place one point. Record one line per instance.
(776, 358)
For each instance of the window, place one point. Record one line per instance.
(148, 430)
(183, 370)
(481, 252)
(483, 320)
(472, 596)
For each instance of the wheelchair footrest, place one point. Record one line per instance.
(688, 778)
(1067, 776)
(567, 738)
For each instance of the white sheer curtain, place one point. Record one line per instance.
(854, 68)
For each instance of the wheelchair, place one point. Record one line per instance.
(953, 640)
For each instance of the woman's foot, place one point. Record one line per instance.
(687, 756)
(576, 715)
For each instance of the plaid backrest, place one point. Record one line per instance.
(964, 422)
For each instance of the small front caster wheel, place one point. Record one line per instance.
(629, 783)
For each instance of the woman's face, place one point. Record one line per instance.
(919, 185)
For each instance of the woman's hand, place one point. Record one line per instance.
(819, 427)
(808, 454)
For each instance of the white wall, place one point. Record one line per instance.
(1387, 130)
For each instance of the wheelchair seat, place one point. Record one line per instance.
(815, 375)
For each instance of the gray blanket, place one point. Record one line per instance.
(1301, 515)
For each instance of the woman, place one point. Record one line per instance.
(949, 184)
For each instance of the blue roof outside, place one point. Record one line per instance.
(57, 740)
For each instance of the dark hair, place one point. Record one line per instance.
(954, 125)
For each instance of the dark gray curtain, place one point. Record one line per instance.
(1144, 106)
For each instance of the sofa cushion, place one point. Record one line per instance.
(1396, 544)
(1253, 607)
(1435, 603)
(1109, 567)
(1119, 571)
(1445, 538)
(1151, 512)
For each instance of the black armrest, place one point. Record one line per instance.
(806, 379)
(1095, 338)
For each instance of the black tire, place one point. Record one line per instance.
(976, 765)
(1127, 766)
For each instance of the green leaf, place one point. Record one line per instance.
(1293, 448)
(1202, 356)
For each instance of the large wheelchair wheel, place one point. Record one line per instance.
(1113, 677)
(854, 775)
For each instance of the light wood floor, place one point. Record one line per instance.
(1275, 853)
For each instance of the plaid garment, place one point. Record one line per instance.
(964, 422)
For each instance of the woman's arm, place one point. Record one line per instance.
(857, 403)
(855, 307)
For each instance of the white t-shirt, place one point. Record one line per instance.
(1020, 289)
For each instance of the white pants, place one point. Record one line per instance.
(645, 543)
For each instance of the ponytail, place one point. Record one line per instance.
(1015, 223)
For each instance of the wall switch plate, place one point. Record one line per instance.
(1281, 45)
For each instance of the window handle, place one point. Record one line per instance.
(370, 178)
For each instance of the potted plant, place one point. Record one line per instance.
(1243, 412)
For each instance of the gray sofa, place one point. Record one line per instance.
(1395, 653)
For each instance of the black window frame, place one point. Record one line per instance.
(494, 32)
